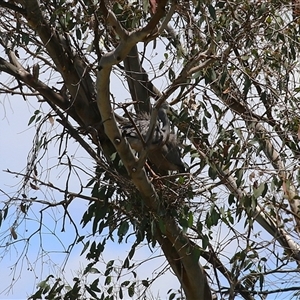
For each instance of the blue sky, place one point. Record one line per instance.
(16, 142)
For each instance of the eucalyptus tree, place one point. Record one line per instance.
(215, 80)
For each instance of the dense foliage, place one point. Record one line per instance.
(228, 226)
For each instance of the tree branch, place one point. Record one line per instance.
(266, 221)
(24, 76)
(13, 7)
(66, 63)
(176, 240)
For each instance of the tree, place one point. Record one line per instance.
(229, 73)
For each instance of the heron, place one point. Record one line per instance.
(163, 149)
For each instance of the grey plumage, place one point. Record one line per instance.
(163, 150)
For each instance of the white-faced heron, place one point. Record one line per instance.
(163, 149)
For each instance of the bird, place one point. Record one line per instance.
(163, 148)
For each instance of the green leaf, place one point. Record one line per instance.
(297, 90)
(161, 65)
(126, 263)
(80, 239)
(78, 34)
(212, 173)
(212, 11)
(172, 296)
(88, 268)
(122, 230)
(247, 85)
(199, 227)
(204, 122)
(107, 280)
(205, 242)
(214, 217)
(210, 76)
(94, 285)
(113, 156)
(94, 271)
(184, 223)
(261, 281)
(125, 283)
(108, 271)
(239, 176)
(145, 283)
(207, 114)
(91, 292)
(86, 245)
(231, 199)
(110, 264)
(120, 294)
(31, 119)
(260, 191)
(171, 74)
(25, 38)
(196, 75)
(109, 291)
(35, 117)
(131, 290)
(190, 220)
(196, 254)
